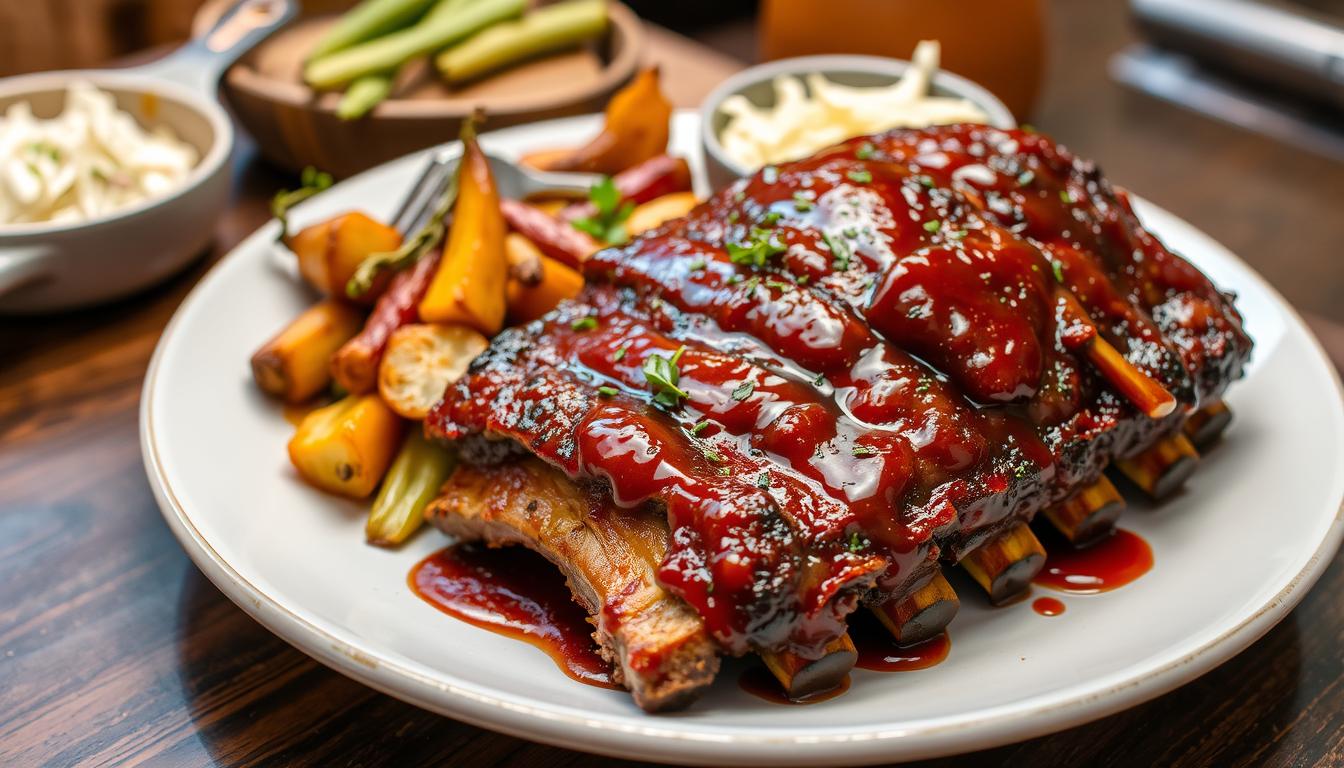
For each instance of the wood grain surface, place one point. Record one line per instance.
(114, 650)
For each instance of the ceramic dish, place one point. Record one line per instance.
(1253, 530)
(294, 127)
(757, 85)
(47, 266)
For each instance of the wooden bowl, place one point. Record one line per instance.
(295, 126)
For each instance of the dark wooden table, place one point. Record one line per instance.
(115, 650)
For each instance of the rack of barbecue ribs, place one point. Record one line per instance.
(826, 383)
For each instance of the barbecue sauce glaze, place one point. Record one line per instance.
(869, 364)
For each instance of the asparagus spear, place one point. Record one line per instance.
(551, 28)
(369, 91)
(366, 21)
(363, 95)
(390, 51)
(416, 475)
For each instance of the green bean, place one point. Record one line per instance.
(547, 29)
(363, 95)
(413, 480)
(390, 51)
(369, 19)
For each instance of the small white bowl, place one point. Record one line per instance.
(47, 266)
(757, 85)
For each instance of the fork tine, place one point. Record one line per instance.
(417, 207)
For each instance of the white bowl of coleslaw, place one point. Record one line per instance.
(790, 108)
(136, 223)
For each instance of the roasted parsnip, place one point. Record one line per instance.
(653, 213)
(413, 480)
(421, 361)
(636, 129)
(468, 287)
(345, 447)
(293, 365)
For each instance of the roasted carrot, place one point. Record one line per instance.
(558, 282)
(635, 130)
(293, 364)
(330, 251)
(355, 364)
(554, 237)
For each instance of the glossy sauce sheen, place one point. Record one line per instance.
(1108, 564)
(517, 593)
(876, 370)
(880, 653)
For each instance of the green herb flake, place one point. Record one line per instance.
(802, 203)
(772, 217)
(607, 224)
(663, 376)
(860, 176)
(840, 252)
(757, 250)
(608, 391)
(1025, 178)
(926, 181)
(699, 427)
(763, 481)
(697, 265)
(1066, 197)
(743, 391)
(923, 386)
(620, 353)
(864, 450)
(855, 542)
(865, 151)
(584, 323)
(932, 226)
(1058, 269)
(712, 455)
(778, 285)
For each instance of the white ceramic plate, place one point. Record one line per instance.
(1257, 524)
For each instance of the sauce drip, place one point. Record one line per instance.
(879, 652)
(516, 593)
(1109, 564)
(1048, 606)
(758, 681)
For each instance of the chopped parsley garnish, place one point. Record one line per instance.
(772, 217)
(1024, 178)
(840, 253)
(608, 391)
(743, 391)
(801, 202)
(663, 375)
(1066, 197)
(584, 323)
(620, 353)
(926, 181)
(923, 385)
(1058, 269)
(756, 252)
(712, 454)
(855, 543)
(864, 450)
(860, 176)
(801, 279)
(733, 216)
(865, 151)
(958, 234)
(699, 427)
(932, 226)
(763, 480)
(778, 285)
(697, 265)
(608, 223)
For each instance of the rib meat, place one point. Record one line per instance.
(657, 645)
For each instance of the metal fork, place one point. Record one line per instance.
(512, 179)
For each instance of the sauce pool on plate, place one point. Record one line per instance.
(1109, 564)
(517, 593)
